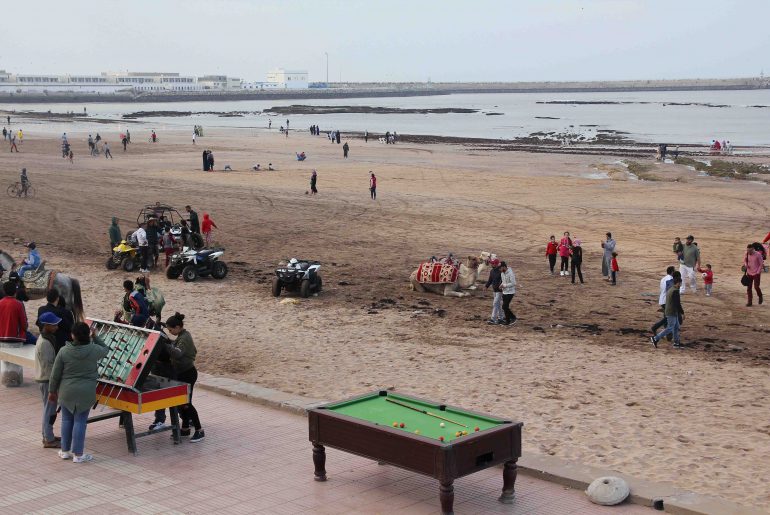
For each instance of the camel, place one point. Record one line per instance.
(482, 271)
(466, 279)
(68, 287)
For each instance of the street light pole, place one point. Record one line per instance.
(327, 68)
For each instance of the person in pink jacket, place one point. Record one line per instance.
(753, 263)
(565, 247)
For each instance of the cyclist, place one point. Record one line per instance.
(24, 182)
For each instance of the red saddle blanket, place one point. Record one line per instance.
(436, 273)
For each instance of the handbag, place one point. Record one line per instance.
(745, 280)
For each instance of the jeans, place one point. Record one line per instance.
(49, 413)
(73, 430)
(497, 306)
(614, 277)
(509, 316)
(663, 322)
(24, 269)
(754, 281)
(687, 273)
(673, 329)
(576, 268)
(708, 289)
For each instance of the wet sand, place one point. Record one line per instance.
(576, 369)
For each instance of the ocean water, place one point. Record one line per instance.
(647, 117)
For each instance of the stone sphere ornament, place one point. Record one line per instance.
(608, 491)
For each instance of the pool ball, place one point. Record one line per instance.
(441, 425)
(440, 438)
(402, 425)
(465, 433)
(458, 434)
(395, 424)
(476, 429)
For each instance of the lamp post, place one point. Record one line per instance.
(327, 69)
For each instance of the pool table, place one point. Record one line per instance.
(431, 441)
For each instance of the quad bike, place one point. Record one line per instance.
(191, 264)
(299, 275)
(126, 256)
(169, 217)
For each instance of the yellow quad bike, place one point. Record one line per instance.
(127, 257)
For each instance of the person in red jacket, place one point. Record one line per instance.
(565, 248)
(767, 238)
(614, 268)
(206, 226)
(708, 278)
(13, 317)
(550, 252)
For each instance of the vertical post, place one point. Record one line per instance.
(327, 69)
(509, 481)
(319, 460)
(447, 497)
(128, 425)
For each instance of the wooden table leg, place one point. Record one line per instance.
(128, 425)
(509, 481)
(319, 460)
(174, 412)
(447, 497)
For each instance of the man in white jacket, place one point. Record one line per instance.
(508, 286)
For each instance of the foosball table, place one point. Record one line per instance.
(126, 384)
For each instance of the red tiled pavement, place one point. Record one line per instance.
(254, 460)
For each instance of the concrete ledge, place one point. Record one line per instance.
(660, 496)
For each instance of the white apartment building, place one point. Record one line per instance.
(220, 83)
(286, 79)
(108, 82)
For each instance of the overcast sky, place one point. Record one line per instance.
(392, 40)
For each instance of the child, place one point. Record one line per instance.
(169, 244)
(614, 268)
(708, 278)
(678, 249)
(550, 252)
(72, 156)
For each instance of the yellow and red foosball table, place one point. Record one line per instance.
(126, 383)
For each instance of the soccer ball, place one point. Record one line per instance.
(704, 274)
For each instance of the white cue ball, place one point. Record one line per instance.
(441, 425)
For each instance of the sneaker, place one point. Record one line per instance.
(157, 425)
(198, 436)
(503, 322)
(52, 444)
(65, 455)
(760, 299)
(82, 458)
(513, 322)
(654, 342)
(185, 431)
(491, 322)
(677, 346)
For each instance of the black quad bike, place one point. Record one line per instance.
(191, 264)
(298, 276)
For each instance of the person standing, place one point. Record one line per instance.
(205, 160)
(128, 136)
(169, 244)
(114, 233)
(144, 249)
(210, 159)
(508, 287)
(125, 143)
(107, 152)
(5, 133)
(154, 136)
(753, 264)
(565, 247)
(194, 223)
(313, 180)
(690, 262)
(152, 239)
(665, 284)
(614, 268)
(609, 246)
(13, 143)
(708, 279)
(64, 328)
(366, 136)
(551, 250)
(206, 226)
(577, 261)
(345, 149)
(73, 385)
(183, 354)
(495, 280)
(194, 137)
(674, 313)
(338, 136)
(45, 355)
(372, 185)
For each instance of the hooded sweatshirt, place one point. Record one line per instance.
(114, 232)
(208, 223)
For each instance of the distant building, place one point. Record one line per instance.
(286, 79)
(220, 82)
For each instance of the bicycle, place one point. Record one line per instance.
(16, 190)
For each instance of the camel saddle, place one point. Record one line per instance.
(39, 281)
(437, 273)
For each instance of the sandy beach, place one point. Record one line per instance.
(577, 369)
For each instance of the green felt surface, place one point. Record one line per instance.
(378, 410)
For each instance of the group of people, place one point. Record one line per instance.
(12, 135)
(570, 253)
(723, 148)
